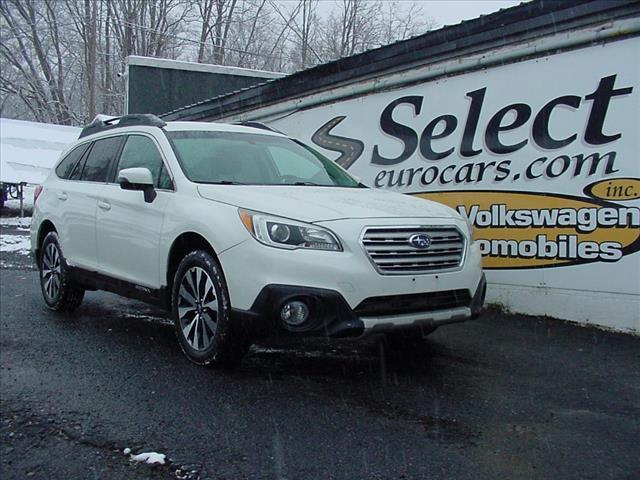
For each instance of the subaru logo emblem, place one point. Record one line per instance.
(420, 241)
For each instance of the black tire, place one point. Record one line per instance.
(408, 339)
(205, 331)
(60, 293)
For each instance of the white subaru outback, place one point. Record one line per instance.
(243, 232)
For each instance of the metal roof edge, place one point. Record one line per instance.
(199, 67)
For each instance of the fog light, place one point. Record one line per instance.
(294, 313)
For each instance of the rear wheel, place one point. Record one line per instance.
(201, 312)
(59, 292)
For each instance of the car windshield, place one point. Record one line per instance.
(253, 159)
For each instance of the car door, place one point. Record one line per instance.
(129, 229)
(78, 197)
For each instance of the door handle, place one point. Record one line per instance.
(62, 196)
(104, 205)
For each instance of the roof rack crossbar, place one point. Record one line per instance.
(102, 123)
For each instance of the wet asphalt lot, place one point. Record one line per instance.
(504, 397)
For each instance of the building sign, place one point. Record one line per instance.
(533, 230)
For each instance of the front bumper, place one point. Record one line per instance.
(331, 315)
(249, 266)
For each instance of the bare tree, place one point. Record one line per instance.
(147, 27)
(63, 56)
(402, 23)
(91, 51)
(84, 17)
(107, 61)
(214, 27)
(309, 21)
(256, 38)
(359, 25)
(60, 59)
(31, 46)
(276, 58)
(248, 34)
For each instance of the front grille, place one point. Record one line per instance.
(391, 252)
(413, 303)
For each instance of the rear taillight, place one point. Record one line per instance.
(37, 192)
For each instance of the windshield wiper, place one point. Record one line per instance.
(225, 182)
(312, 184)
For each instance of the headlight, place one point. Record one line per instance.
(290, 234)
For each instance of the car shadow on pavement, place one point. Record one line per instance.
(134, 326)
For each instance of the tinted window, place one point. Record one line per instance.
(165, 180)
(77, 171)
(66, 165)
(96, 167)
(141, 151)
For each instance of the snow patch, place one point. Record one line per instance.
(126, 451)
(149, 318)
(24, 222)
(15, 243)
(301, 353)
(268, 350)
(12, 266)
(152, 458)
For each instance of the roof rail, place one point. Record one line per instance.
(102, 122)
(260, 125)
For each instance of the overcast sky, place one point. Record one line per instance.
(449, 12)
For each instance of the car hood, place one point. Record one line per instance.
(316, 204)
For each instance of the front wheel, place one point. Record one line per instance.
(59, 292)
(201, 312)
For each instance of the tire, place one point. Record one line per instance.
(408, 339)
(201, 313)
(60, 293)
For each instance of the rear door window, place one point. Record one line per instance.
(101, 156)
(141, 151)
(68, 163)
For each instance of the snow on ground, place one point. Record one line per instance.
(20, 223)
(20, 244)
(335, 353)
(149, 318)
(149, 457)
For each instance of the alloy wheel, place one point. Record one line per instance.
(198, 308)
(51, 271)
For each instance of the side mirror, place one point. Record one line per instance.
(138, 179)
